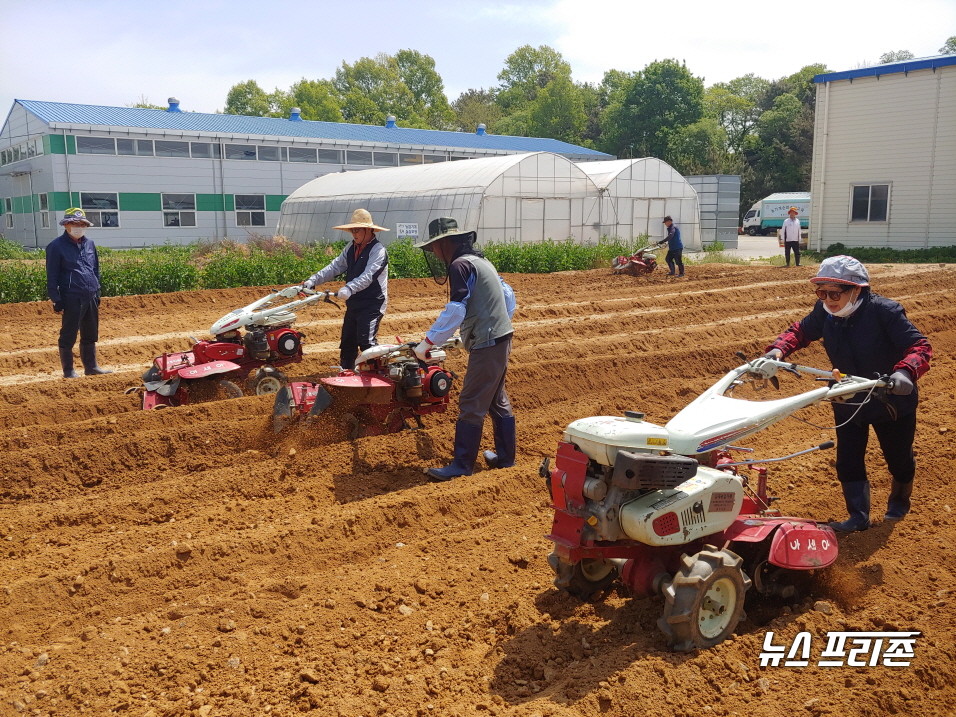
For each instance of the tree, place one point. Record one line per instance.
(405, 85)
(949, 47)
(145, 104)
(896, 56)
(247, 98)
(417, 72)
(527, 71)
(661, 99)
(558, 111)
(315, 98)
(735, 106)
(701, 148)
(474, 107)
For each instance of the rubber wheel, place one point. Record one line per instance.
(584, 579)
(752, 231)
(704, 602)
(268, 383)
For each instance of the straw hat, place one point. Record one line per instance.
(361, 219)
(793, 210)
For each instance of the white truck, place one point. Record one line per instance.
(767, 215)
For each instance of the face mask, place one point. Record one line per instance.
(76, 232)
(845, 311)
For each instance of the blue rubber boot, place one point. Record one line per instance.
(857, 497)
(467, 440)
(505, 441)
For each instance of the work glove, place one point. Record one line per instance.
(57, 307)
(421, 351)
(344, 293)
(902, 384)
(775, 354)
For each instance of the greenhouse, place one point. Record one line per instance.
(519, 197)
(636, 195)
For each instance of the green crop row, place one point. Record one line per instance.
(267, 262)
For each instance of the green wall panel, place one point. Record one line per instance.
(54, 144)
(140, 202)
(74, 200)
(210, 203)
(70, 144)
(59, 201)
(274, 202)
(230, 203)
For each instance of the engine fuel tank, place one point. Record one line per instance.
(700, 506)
(600, 437)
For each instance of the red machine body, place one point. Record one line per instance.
(388, 388)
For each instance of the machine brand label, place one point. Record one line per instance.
(652, 441)
(722, 502)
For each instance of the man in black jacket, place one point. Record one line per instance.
(365, 265)
(73, 285)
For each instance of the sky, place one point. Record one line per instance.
(119, 52)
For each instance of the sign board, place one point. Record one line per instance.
(406, 230)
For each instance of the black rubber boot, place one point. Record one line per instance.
(88, 357)
(66, 361)
(467, 440)
(857, 497)
(898, 504)
(504, 454)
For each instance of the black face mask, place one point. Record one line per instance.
(436, 266)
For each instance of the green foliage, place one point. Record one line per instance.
(949, 47)
(12, 250)
(548, 256)
(247, 98)
(156, 273)
(527, 71)
(22, 281)
(405, 261)
(885, 255)
(896, 56)
(716, 247)
(558, 111)
(700, 148)
(660, 99)
(315, 98)
(474, 107)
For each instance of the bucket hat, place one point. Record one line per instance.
(439, 229)
(842, 269)
(361, 219)
(75, 215)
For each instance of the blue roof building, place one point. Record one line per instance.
(148, 176)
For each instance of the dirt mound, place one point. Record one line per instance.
(186, 562)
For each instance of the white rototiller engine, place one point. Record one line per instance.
(665, 509)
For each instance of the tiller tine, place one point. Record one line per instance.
(282, 409)
(323, 399)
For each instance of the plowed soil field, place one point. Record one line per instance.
(183, 562)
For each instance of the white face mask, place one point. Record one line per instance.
(76, 232)
(845, 311)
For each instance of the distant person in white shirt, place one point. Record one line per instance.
(790, 233)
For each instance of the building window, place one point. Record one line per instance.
(870, 202)
(360, 158)
(386, 159)
(9, 221)
(409, 158)
(301, 154)
(251, 210)
(95, 145)
(331, 156)
(8, 205)
(44, 202)
(102, 208)
(240, 151)
(456, 158)
(206, 150)
(268, 154)
(167, 148)
(433, 158)
(179, 210)
(45, 220)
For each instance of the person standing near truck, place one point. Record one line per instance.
(675, 248)
(790, 235)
